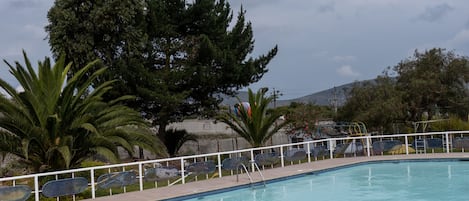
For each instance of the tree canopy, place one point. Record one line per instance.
(376, 102)
(174, 56)
(430, 84)
(58, 121)
(304, 117)
(434, 82)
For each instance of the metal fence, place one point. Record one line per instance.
(138, 176)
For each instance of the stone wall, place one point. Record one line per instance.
(212, 137)
(216, 137)
(224, 144)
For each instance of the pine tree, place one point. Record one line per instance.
(175, 57)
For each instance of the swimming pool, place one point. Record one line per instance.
(415, 180)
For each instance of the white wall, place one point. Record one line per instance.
(216, 137)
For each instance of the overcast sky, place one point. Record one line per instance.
(322, 43)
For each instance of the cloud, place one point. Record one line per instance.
(320, 53)
(19, 89)
(327, 7)
(11, 51)
(347, 71)
(20, 4)
(36, 31)
(347, 58)
(4, 93)
(434, 13)
(460, 40)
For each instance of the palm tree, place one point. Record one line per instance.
(58, 122)
(257, 125)
(176, 138)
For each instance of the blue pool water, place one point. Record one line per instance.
(409, 181)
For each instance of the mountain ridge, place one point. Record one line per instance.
(332, 96)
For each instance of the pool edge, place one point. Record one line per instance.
(320, 171)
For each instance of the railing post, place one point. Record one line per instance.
(93, 190)
(36, 187)
(252, 161)
(140, 175)
(110, 189)
(368, 140)
(183, 176)
(57, 178)
(73, 196)
(447, 142)
(282, 157)
(125, 187)
(406, 145)
(219, 165)
(331, 154)
(308, 152)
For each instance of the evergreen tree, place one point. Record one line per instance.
(175, 57)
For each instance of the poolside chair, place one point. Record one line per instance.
(461, 142)
(241, 163)
(234, 163)
(265, 159)
(18, 192)
(116, 179)
(433, 143)
(380, 147)
(198, 168)
(161, 173)
(64, 187)
(319, 151)
(294, 154)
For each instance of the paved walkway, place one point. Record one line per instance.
(230, 181)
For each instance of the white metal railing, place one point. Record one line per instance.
(328, 145)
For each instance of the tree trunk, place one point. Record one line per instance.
(162, 132)
(140, 153)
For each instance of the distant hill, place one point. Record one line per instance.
(325, 97)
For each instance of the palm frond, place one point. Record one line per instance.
(255, 125)
(59, 121)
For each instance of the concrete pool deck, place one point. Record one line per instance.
(190, 188)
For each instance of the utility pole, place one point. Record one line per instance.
(334, 101)
(276, 94)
